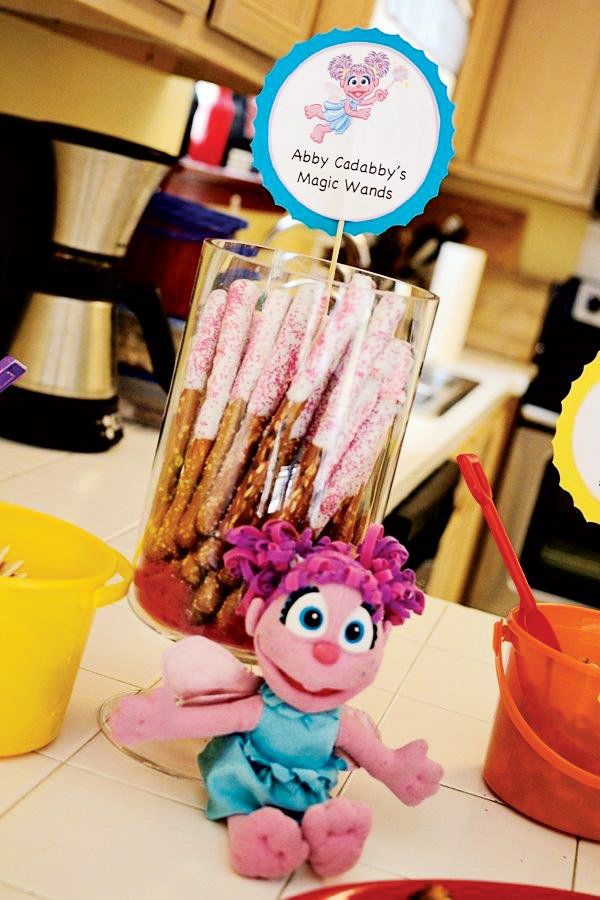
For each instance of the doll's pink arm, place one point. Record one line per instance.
(407, 771)
(353, 113)
(156, 716)
(369, 101)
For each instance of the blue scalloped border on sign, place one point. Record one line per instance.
(264, 103)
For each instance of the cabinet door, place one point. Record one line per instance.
(267, 25)
(539, 126)
(459, 545)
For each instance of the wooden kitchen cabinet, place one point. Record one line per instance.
(231, 42)
(457, 552)
(267, 25)
(528, 99)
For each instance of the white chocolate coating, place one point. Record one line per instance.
(329, 345)
(263, 334)
(241, 300)
(355, 462)
(295, 334)
(204, 341)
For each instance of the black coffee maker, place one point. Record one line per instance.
(69, 202)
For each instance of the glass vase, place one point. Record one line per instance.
(290, 400)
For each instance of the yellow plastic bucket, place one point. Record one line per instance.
(45, 620)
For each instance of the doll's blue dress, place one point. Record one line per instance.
(287, 762)
(336, 116)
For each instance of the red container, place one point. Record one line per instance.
(544, 753)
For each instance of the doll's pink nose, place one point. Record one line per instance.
(326, 652)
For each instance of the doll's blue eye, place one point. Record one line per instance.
(354, 632)
(364, 81)
(353, 81)
(305, 614)
(311, 618)
(358, 633)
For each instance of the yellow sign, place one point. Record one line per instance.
(577, 442)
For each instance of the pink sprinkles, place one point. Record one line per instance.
(204, 341)
(241, 299)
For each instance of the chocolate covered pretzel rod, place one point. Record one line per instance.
(353, 469)
(241, 300)
(351, 393)
(253, 499)
(265, 327)
(293, 341)
(295, 335)
(202, 351)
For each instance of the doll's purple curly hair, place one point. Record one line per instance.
(276, 558)
(374, 63)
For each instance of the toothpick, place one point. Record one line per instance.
(335, 252)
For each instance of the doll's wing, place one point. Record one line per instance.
(334, 91)
(199, 671)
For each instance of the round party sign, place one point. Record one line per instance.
(577, 442)
(353, 125)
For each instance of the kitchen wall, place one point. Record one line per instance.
(44, 75)
(553, 233)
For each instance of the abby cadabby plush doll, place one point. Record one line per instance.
(320, 614)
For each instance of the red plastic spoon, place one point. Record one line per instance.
(531, 617)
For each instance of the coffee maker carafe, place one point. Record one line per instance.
(65, 333)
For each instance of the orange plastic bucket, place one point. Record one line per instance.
(544, 753)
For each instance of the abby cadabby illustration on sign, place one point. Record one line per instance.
(320, 614)
(357, 93)
(354, 126)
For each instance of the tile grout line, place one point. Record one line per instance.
(495, 800)
(66, 762)
(483, 662)
(123, 531)
(26, 891)
(60, 764)
(395, 877)
(575, 861)
(200, 809)
(436, 623)
(445, 708)
(33, 467)
(134, 687)
(71, 755)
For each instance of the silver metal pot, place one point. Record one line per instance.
(103, 184)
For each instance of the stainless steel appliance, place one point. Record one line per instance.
(559, 550)
(65, 333)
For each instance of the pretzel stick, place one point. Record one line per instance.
(354, 467)
(241, 299)
(205, 600)
(296, 332)
(282, 436)
(200, 359)
(265, 327)
(227, 614)
(254, 498)
(341, 525)
(294, 337)
(337, 418)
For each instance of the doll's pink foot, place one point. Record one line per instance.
(266, 844)
(315, 109)
(319, 132)
(336, 832)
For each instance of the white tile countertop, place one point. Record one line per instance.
(81, 821)
(430, 441)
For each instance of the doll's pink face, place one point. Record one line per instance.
(358, 86)
(317, 647)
